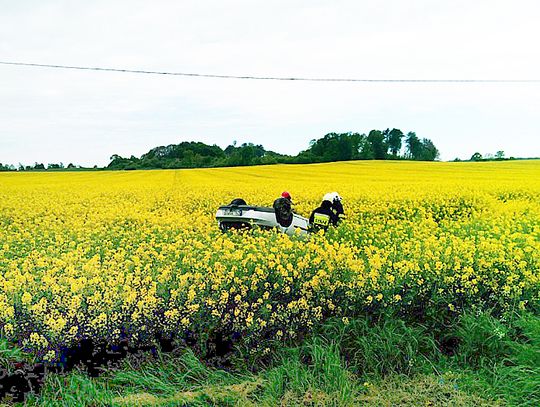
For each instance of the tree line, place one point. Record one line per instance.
(376, 145)
(499, 156)
(42, 167)
(197, 155)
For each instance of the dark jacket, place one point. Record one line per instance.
(284, 212)
(338, 209)
(323, 216)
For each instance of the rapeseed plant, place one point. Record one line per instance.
(103, 255)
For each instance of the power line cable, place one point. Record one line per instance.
(270, 78)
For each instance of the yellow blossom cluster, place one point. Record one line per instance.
(109, 254)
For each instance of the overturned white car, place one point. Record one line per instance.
(239, 216)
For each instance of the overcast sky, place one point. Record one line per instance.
(49, 115)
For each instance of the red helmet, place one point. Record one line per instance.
(286, 195)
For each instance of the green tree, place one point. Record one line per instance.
(332, 147)
(393, 141)
(499, 155)
(357, 141)
(476, 157)
(414, 146)
(55, 166)
(429, 151)
(378, 145)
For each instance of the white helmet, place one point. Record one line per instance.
(332, 197)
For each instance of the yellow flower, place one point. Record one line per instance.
(95, 253)
(8, 329)
(50, 356)
(26, 298)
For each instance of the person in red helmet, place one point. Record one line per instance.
(283, 208)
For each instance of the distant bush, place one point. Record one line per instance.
(381, 145)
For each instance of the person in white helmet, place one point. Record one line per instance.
(328, 213)
(337, 205)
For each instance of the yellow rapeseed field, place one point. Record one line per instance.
(106, 255)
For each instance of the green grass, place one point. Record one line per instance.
(501, 360)
(496, 361)
(10, 354)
